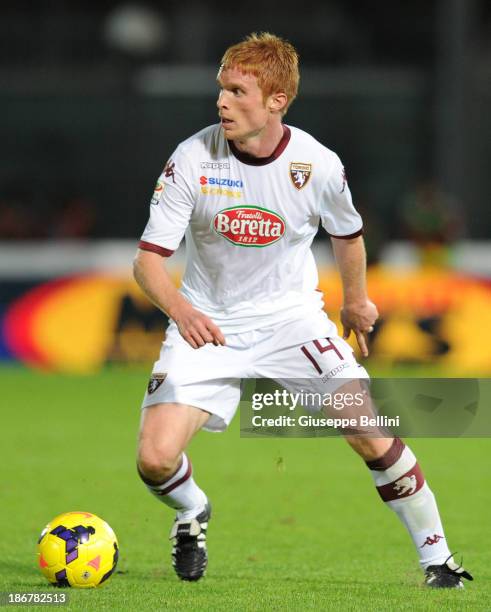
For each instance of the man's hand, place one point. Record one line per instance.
(359, 318)
(151, 275)
(195, 327)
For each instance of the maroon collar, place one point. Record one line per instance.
(245, 158)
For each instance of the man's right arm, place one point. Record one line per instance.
(154, 280)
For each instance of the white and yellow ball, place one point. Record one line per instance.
(77, 549)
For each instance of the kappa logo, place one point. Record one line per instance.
(300, 174)
(432, 540)
(169, 170)
(249, 226)
(155, 381)
(407, 484)
(345, 180)
(335, 371)
(215, 165)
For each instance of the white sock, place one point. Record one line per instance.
(401, 485)
(180, 491)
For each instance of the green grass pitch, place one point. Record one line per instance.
(297, 523)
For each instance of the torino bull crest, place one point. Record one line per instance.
(300, 174)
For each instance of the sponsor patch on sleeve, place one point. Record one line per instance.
(157, 193)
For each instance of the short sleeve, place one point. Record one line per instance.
(170, 207)
(339, 217)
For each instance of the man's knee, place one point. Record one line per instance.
(369, 448)
(158, 463)
(165, 431)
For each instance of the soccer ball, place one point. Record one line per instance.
(77, 549)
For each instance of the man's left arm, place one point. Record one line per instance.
(358, 313)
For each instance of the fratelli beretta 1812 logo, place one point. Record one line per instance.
(249, 225)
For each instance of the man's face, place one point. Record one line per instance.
(241, 105)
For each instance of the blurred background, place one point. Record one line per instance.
(94, 97)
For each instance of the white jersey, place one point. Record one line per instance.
(249, 224)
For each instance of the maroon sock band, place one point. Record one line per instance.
(147, 481)
(389, 458)
(406, 485)
(174, 485)
(153, 483)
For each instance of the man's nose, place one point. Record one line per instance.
(221, 101)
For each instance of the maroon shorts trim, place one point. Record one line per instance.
(154, 248)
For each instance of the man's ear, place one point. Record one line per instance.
(277, 102)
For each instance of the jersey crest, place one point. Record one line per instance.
(155, 381)
(300, 174)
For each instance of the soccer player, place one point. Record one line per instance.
(248, 194)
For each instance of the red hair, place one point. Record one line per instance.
(271, 59)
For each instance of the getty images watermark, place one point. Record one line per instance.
(322, 401)
(416, 407)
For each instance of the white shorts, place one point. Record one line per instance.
(210, 377)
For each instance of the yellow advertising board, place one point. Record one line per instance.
(80, 323)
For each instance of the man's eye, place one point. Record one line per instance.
(236, 91)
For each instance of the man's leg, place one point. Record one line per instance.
(402, 486)
(327, 365)
(165, 432)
